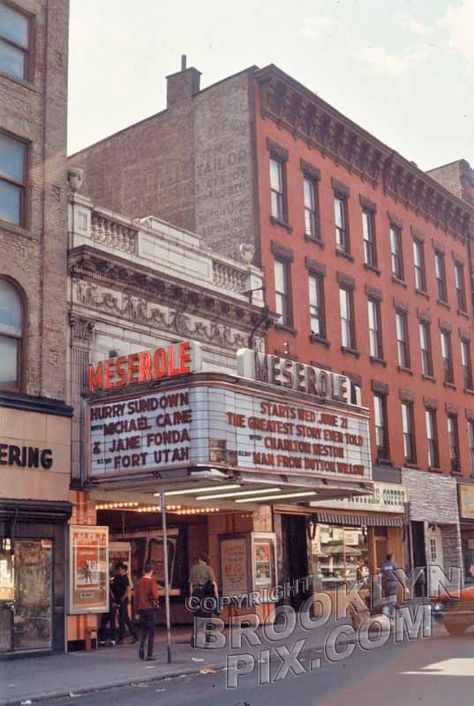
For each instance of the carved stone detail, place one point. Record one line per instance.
(380, 388)
(430, 403)
(82, 328)
(374, 293)
(407, 395)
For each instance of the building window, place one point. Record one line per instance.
(460, 286)
(425, 348)
(316, 306)
(381, 427)
(466, 364)
(375, 330)
(446, 354)
(368, 230)
(14, 42)
(419, 262)
(346, 302)
(440, 272)
(408, 427)
(432, 438)
(282, 292)
(396, 252)
(277, 187)
(342, 229)
(12, 179)
(311, 219)
(402, 340)
(453, 439)
(11, 331)
(471, 444)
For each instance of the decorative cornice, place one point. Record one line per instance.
(380, 388)
(464, 334)
(367, 204)
(373, 293)
(305, 115)
(452, 409)
(430, 403)
(400, 306)
(346, 280)
(310, 171)
(315, 267)
(82, 328)
(407, 395)
(424, 315)
(445, 326)
(281, 251)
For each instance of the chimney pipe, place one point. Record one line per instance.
(183, 61)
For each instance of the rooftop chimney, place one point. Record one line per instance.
(182, 85)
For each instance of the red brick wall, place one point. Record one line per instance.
(299, 341)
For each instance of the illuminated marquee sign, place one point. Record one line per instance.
(323, 384)
(214, 425)
(145, 366)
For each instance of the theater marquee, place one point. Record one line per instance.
(226, 425)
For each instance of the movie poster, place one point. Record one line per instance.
(234, 566)
(89, 569)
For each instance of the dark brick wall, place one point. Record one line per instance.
(35, 256)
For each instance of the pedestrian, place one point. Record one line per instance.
(202, 585)
(121, 594)
(110, 617)
(146, 603)
(390, 585)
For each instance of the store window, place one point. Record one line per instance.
(14, 42)
(25, 594)
(11, 331)
(340, 555)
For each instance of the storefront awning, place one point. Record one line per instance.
(370, 520)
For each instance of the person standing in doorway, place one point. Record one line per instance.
(390, 585)
(121, 593)
(146, 603)
(202, 585)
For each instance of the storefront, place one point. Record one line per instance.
(34, 510)
(224, 450)
(466, 517)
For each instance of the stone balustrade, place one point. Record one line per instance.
(113, 233)
(228, 276)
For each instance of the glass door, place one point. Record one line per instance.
(26, 594)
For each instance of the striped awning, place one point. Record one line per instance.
(372, 519)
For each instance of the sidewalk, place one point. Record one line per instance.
(41, 678)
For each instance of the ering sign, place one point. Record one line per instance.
(292, 375)
(145, 366)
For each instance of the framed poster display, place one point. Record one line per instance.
(234, 556)
(263, 553)
(88, 569)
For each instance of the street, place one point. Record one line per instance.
(437, 671)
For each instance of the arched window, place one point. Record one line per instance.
(11, 332)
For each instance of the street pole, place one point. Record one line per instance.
(167, 579)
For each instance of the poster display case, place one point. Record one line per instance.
(248, 562)
(89, 569)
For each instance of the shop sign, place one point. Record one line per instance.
(214, 425)
(466, 501)
(292, 375)
(25, 456)
(164, 362)
(88, 569)
(387, 497)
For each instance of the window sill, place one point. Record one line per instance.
(456, 473)
(283, 224)
(450, 385)
(314, 338)
(20, 81)
(286, 329)
(428, 377)
(316, 241)
(435, 469)
(422, 293)
(409, 464)
(350, 351)
(468, 391)
(444, 303)
(399, 281)
(378, 361)
(343, 253)
(372, 268)
(464, 313)
(383, 461)
(401, 369)
(18, 230)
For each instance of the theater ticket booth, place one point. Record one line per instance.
(224, 450)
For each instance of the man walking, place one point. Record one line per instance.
(121, 593)
(146, 604)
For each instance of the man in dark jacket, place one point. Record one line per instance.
(390, 585)
(120, 587)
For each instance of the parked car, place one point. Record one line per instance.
(455, 613)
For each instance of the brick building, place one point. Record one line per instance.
(366, 260)
(34, 419)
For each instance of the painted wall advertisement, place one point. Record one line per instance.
(213, 424)
(89, 569)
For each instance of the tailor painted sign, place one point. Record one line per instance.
(214, 424)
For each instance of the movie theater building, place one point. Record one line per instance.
(164, 401)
